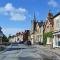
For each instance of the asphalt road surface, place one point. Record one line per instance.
(23, 52)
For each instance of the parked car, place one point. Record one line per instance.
(40, 43)
(21, 42)
(28, 43)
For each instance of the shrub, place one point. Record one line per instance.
(45, 35)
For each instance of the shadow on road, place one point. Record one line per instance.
(31, 58)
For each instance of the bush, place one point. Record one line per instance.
(45, 35)
(44, 39)
(4, 39)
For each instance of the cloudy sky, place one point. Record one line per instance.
(16, 15)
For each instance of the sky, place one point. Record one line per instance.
(16, 15)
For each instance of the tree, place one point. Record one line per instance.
(45, 35)
(44, 38)
(4, 38)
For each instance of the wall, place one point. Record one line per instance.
(57, 23)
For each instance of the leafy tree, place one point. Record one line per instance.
(44, 38)
(49, 34)
(4, 39)
(9, 36)
(45, 35)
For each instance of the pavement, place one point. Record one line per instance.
(23, 52)
(52, 51)
(55, 50)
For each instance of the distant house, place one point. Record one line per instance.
(12, 39)
(39, 32)
(36, 32)
(56, 39)
(52, 24)
(19, 36)
(49, 26)
(16, 38)
(32, 31)
(26, 35)
(49, 23)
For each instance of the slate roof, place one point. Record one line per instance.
(57, 14)
(40, 23)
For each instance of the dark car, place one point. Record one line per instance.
(40, 43)
(28, 42)
(21, 42)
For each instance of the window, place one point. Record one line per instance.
(41, 29)
(58, 23)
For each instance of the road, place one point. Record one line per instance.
(23, 52)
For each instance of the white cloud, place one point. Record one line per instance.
(16, 14)
(18, 17)
(9, 7)
(23, 10)
(53, 3)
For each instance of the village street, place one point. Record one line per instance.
(23, 52)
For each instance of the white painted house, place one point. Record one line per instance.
(13, 39)
(36, 32)
(56, 39)
(19, 36)
(16, 38)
